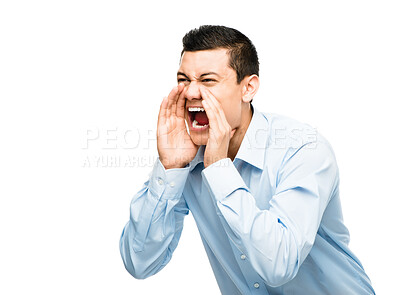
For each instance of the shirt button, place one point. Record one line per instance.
(243, 257)
(160, 181)
(256, 285)
(172, 184)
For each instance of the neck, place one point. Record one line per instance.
(240, 132)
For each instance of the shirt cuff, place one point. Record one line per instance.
(222, 178)
(167, 184)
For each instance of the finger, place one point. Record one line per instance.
(232, 133)
(180, 105)
(219, 111)
(214, 116)
(163, 111)
(181, 86)
(214, 103)
(216, 129)
(171, 100)
(222, 126)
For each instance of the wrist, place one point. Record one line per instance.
(171, 165)
(167, 184)
(211, 160)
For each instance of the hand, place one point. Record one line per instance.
(219, 133)
(175, 147)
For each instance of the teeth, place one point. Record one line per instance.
(195, 124)
(195, 109)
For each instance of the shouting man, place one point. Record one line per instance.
(262, 188)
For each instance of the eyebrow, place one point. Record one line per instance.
(202, 75)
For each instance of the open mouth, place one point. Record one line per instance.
(198, 119)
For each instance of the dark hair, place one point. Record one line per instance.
(243, 54)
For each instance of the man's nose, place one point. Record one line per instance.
(193, 91)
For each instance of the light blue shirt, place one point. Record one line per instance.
(270, 221)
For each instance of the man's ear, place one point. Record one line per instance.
(250, 87)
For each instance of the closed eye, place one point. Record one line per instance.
(186, 81)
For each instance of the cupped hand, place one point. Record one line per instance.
(220, 132)
(175, 147)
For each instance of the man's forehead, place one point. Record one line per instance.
(204, 61)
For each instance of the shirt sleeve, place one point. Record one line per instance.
(276, 240)
(156, 222)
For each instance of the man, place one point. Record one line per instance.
(262, 188)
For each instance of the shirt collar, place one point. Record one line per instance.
(199, 158)
(254, 143)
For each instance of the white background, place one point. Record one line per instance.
(69, 69)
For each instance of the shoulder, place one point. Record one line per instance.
(287, 133)
(287, 137)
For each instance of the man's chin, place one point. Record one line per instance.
(199, 139)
